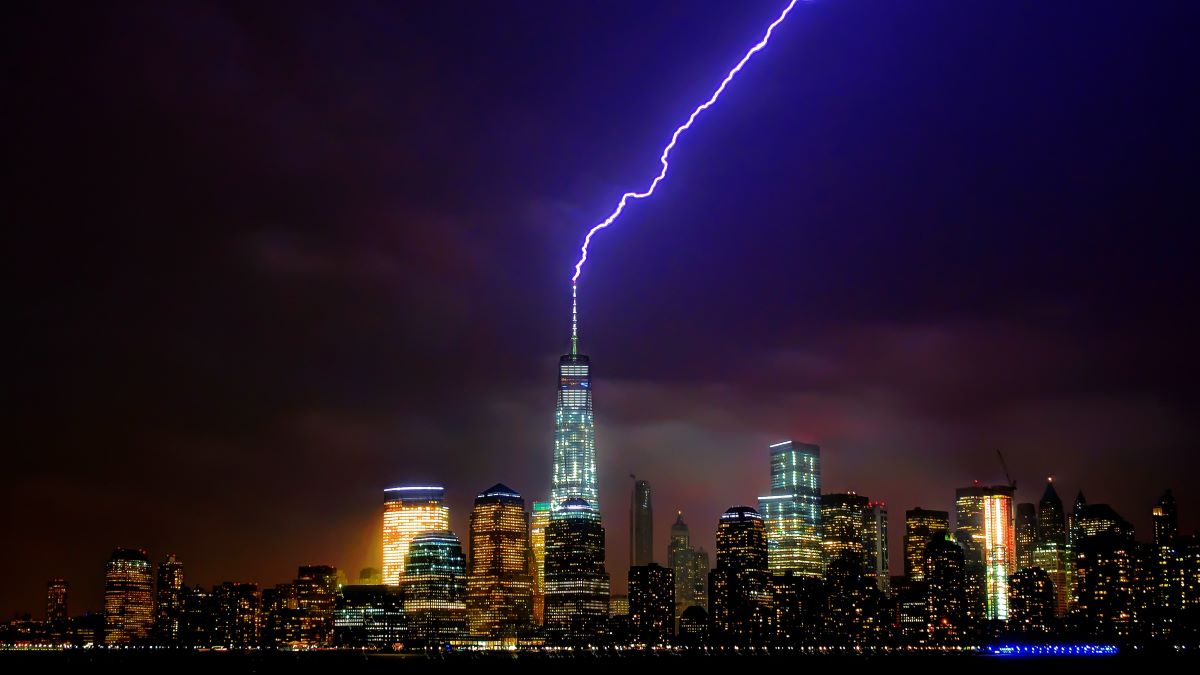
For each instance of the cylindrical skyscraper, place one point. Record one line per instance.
(407, 512)
(128, 597)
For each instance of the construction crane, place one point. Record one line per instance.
(1004, 465)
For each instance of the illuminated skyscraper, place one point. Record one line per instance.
(169, 600)
(652, 603)
(739, 589)
(537, 541)
(577, 588)
(56, 601)
(641, 526)
(236, 615)
(875, 531)
(407, 512)
(574, 429)
(843, 528)
(792, 512)
(499, 584)
(1106, 589)
(434, 588)
(128, 597)
(690, 566)
(1026, 534)
(316, 592)
(986, 533)
(1050, 548)
(920, 527)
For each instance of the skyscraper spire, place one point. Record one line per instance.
(574, 321)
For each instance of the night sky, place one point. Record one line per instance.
(265, 263)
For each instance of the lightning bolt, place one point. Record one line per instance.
(583, 252)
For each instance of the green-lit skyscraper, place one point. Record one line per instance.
(574, 428)
(792, 511)
(434, 585)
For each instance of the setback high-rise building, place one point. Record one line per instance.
(434, 588)
(652, 603)
(920, 527)
(875, 530)
(169, 600)
(128, 597)
(577, 588)
(985, 531)
(690, 566)
(843, 529)
(1050, 548)
(574, 473)
(499, 583)
(739, 589)
(1026, 534)
(792, 511)
(56, 601)
(641, 526)
(407, 512)
(537, 541)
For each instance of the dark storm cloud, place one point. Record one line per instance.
(266, 263)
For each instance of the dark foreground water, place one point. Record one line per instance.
(228, 663)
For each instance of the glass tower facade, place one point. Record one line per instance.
(574, 434)
(407, 512)
(435, 588)
(986, 531)
(577, 585)
(792, 511)
(537, 542)
(499, 586)
(641, 525)
(128, 597)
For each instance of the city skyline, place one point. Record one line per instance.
(271, 266)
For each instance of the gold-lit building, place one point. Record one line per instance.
(499, 583)
(537, 542)
(986, 531)
(128, 597)
(843, 523)
(407, 512)
(920, 527)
